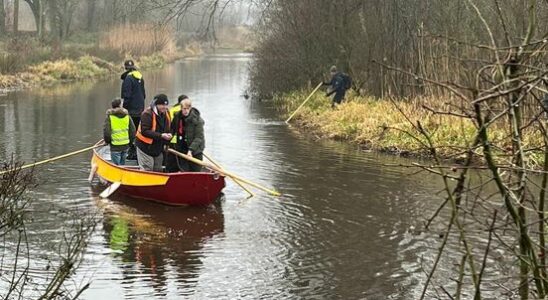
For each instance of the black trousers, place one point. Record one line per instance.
(178, 164)
(189, 166)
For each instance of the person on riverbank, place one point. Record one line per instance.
(133, 93)
(339, 83)
(188, 127)
(153, 133)
(118, 132)
(171, 160)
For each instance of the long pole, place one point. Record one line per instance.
(53, 159)
(251, 194)
(304, 102)
(224, 172)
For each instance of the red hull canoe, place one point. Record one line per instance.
(183, 188)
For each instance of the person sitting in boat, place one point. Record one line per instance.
(188, 126)
(153, 133)
(171, 160)
(118, 131)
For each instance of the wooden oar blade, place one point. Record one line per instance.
(110, 190)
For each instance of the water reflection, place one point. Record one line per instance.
(153, 242)
(341, 230)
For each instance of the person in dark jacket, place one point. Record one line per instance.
(153, 133)
(118, 131)
(133, 93)
(338, 88)
(188, 126)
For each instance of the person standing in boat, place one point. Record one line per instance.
(188, 126)
(153, 133)
(133, 93)
(171, 160)
(118, 132)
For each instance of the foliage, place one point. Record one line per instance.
(17, 281)
(297, 42)
(139, 40)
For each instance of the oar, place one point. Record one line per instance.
(235, 180)
(304, 102)
(110, 189)
(54, 158)
(224, 172)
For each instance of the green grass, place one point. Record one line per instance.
(384, 125)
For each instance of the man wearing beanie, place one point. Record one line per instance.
(133, 93)
(152, 134)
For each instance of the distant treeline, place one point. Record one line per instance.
(446, 41)
(58, 19)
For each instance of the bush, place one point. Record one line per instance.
(67, 69)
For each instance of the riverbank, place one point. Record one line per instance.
(387, 126)
(82, 68)
(26, 61)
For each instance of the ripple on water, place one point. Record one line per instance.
(341, 229)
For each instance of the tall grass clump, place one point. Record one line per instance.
(139, 40)
(67, 69)
(384, 125)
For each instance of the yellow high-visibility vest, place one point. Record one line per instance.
(119, 130)
(172, 111)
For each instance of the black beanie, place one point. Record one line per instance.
(160, 99)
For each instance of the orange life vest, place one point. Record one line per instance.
(145, 139)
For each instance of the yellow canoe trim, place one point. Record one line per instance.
(126, 176)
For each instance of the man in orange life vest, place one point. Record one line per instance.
(152, 134)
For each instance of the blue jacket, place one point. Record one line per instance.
(337, 84)
(133, 92)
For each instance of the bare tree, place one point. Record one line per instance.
(2, 18)
(16, 280)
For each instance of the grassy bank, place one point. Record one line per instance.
(26, 62)
(388, 126)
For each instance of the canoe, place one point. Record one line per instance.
(182, 188)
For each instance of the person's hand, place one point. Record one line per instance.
(167, 136)
(189, 153)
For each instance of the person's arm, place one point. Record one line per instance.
(131, 131)
(330, 82)
(338, 83)
(146, 127)
(198, 137)
(107, 132)
(143, 87)
(126, 91)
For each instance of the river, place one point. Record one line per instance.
(342, 230)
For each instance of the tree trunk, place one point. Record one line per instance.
(91, 15)
(2, 18)
(16, 16)
(40, 26)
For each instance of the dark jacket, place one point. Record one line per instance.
(193, 132)
(162, 126)
(107, 129)
(337, 84)
(133, 92)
